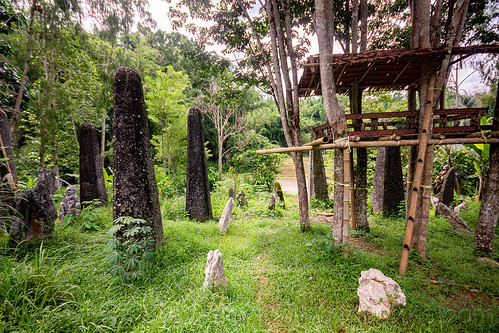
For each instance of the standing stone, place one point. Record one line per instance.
(446, 195)
(378, 293)
(272, 202)
(7, 148)
(70, 205)
(318, 180)
(135, 192)
(278, 193)
(197, 193)
(241, 199)
(223, 225)
(36, 208)
(232, 193)
(214, 274)
(388, 191)
(92, 184)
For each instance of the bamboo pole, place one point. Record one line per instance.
(368, 144)
(418, 174)
(346, 196)
(324, 139)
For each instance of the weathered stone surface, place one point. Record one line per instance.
(197, 194)
(279, 194)
(36, 208)
(378, 293)
(388, 189)
(92, 184)
(70, 205)
(318, 181)
(224, 222)
(460, 207)
(135, 192)
(446, 195)
(232, 193)
(272, 202)
(241, 199)
(214, 274)
(7, 148)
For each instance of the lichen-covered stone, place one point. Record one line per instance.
(272, 202)
(36, 208)
(241, 199)
(70, 205)
(388, 188)
(135, 191)
(7, 142)
(92, 184)
(378, 293)
(214, 274)
(197, 193)
(224, 222)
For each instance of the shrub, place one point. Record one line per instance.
(131, 247)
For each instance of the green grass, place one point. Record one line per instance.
(281, 280)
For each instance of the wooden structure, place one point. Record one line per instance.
(396, 69)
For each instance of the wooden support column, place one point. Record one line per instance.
(352, 192)
(416, 192)
(346, 194)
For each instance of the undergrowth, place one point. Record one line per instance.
(281, 279)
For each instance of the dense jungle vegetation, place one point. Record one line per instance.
(57, 73)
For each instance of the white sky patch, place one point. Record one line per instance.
(159, 10)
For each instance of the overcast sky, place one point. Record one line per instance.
(159, 11)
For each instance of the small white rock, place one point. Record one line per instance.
(378, 293)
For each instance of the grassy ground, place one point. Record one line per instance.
(281, 280)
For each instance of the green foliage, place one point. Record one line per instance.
(264, 168)
(467, 163)
(166, 100)
(32, 284)
(93, 217)
(131, 248)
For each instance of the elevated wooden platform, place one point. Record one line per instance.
(450, 122)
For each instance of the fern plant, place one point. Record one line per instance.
(131, 247)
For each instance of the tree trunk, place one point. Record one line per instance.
(360, 185)
(489, 210)
(363, 25)
(335, 116)
(27, 60)
(355, 24)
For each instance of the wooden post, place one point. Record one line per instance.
(416, 192)
(346, 194)
(352, 192)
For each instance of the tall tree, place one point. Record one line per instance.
(272, 53)
(489, 210)
(334, 115)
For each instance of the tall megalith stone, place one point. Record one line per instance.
(318, 180)
(446, 195)
(92, 184)
(197, 193)
(6, 149)
(135, 192)
(388, 189)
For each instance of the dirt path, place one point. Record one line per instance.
(287, 177)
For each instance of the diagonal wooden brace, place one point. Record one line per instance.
(424, 135)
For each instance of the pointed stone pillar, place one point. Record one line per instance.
(197, 194)
(388, 191)
(92, 184)
(135, 192)
(318, 180)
